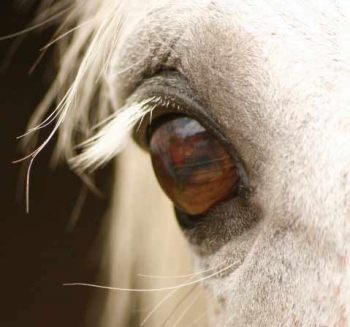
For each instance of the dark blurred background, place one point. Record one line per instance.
(37, 252)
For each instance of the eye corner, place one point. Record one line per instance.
(165, 108)
(169, 92)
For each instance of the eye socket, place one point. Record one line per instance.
(192, 167)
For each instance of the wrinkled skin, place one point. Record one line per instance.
(274, 76)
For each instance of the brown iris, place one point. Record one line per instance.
(192, 167)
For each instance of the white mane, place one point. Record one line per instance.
(88, 38)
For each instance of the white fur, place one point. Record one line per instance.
(275, 76)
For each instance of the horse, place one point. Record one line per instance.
(243, 107)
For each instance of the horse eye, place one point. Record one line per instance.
(192, 167)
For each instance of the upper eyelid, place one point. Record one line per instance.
(171, 94)
(162, 107)
(172, 88)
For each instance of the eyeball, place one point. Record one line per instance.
(193, 168)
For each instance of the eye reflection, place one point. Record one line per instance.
(193, 168)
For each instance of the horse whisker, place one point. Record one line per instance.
(190, 305)
(179, 304)
(158, 305)
(152, 289)
(178, 276)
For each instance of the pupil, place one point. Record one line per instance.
(192, 167)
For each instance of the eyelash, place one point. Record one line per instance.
(191, 109)
(171, 94)
(166, 106)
